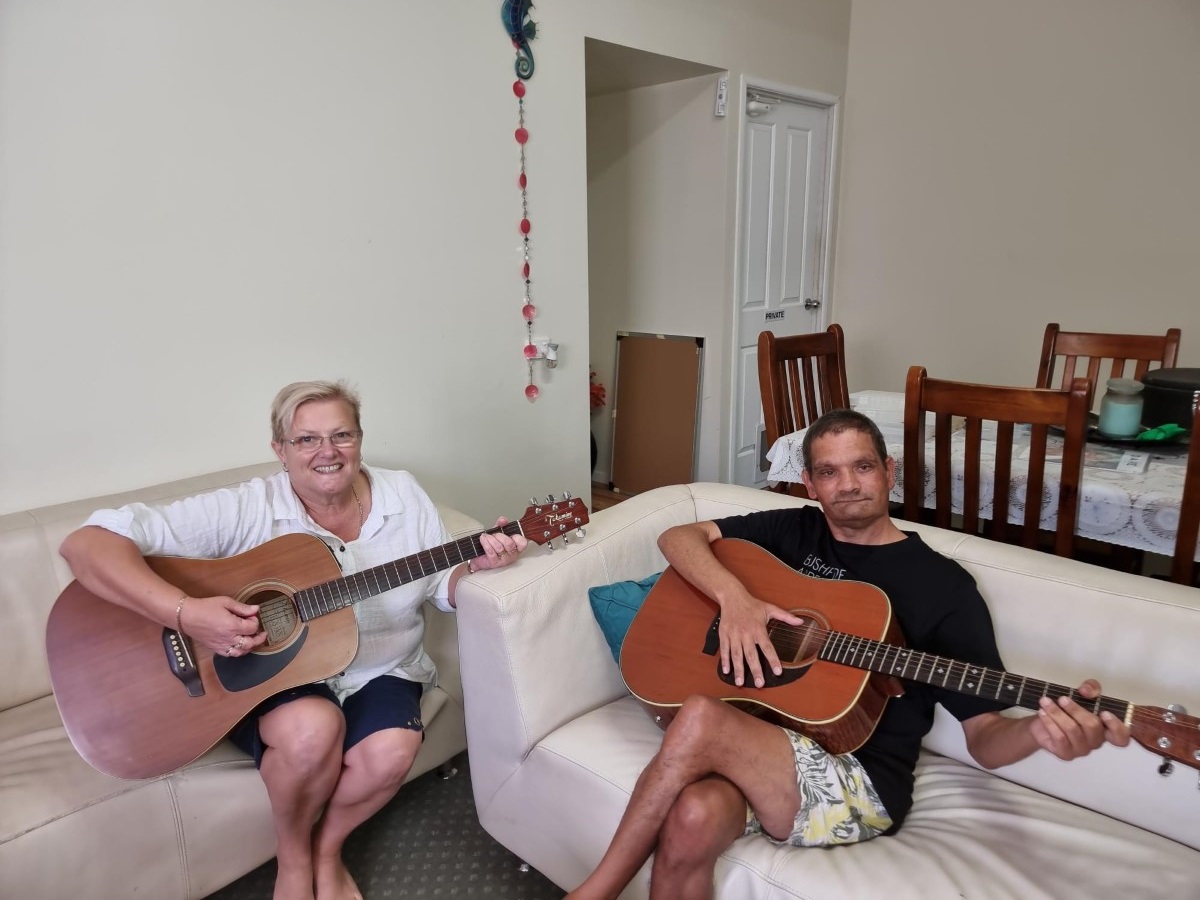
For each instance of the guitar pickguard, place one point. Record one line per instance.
(244, 672)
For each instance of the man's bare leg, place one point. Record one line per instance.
(709, 815)
(706, 738)
(372, 772)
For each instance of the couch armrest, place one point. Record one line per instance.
(532, 655)
(441, 628)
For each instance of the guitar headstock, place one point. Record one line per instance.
(554, 518)
(1169, 733)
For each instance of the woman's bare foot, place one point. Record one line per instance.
(334, 881)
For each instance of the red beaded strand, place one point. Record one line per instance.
(528, 310)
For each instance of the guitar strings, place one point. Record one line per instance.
(875, 655)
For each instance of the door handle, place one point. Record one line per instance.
(810, 303)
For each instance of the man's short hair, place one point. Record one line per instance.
(835, 421)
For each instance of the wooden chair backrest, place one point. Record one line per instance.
(1006, 406)
(800, 377)
(1126, 355)
(1183, 569)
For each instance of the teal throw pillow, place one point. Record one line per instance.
(615, 605)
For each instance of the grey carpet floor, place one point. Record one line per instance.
(426, 843)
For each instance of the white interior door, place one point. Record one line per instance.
(784, 235)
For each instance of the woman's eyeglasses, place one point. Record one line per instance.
(311, 443)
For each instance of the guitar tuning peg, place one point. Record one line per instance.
(549, 498)
(533, 501)
(580, 533)
(1166, 767)
(566, 495)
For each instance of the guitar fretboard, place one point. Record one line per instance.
(963, 678)
(342, 592)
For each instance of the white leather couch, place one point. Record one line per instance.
(557, 743)
(66, 830)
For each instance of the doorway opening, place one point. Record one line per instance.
(659, 166)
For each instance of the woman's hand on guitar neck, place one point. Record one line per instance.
(222, 624)
(743, 634)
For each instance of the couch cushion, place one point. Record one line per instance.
(35, 755)
(54, 800)
(27, 589)
(614, 606)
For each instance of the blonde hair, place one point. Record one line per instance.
(296, 394)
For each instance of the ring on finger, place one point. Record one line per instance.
(241, 641)
(229, 650)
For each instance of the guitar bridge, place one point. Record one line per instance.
(181, 663)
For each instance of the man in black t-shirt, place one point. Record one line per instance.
(721, 773)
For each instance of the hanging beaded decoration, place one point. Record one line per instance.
(521, 29)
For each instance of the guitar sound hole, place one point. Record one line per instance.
(798, 645)
(276, 615)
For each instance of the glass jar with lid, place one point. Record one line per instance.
(1121, 408)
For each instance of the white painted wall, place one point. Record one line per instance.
(204, 201)
(1006, 165)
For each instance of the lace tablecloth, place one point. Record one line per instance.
(1133, 509)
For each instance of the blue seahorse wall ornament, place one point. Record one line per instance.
(522, 30)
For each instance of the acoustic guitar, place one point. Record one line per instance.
(840, 665)
(139, 700)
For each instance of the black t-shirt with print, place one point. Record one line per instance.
(936, 604)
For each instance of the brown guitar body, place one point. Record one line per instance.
(125, 709)
(667, 653)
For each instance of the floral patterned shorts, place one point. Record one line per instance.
(838, 803)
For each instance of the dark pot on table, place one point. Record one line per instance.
(1169, 397)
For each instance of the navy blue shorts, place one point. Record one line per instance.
(384, 702)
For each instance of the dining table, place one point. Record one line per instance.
(1130, 492)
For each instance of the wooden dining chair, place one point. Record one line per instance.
(1007, 407)
(1103, 355)
(800, 377)
(1183, 569)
